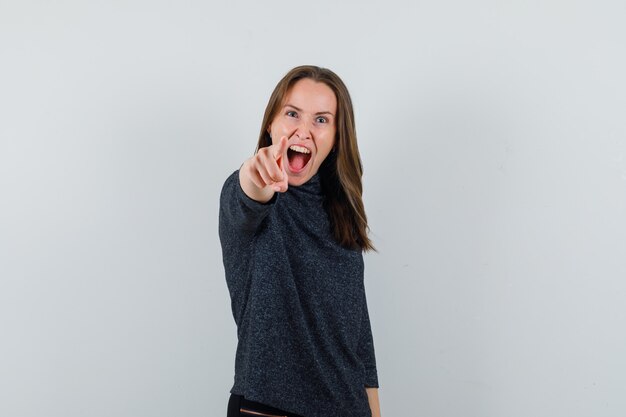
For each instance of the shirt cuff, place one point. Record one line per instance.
(371, 378)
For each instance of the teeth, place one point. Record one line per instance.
(300, 149)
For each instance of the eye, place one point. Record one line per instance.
(291, 113)
(321, 119)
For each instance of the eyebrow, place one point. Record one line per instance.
(318, 113)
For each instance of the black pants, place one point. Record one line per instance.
(238, 406)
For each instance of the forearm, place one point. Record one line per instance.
(372, 396)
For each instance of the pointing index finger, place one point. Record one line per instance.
(281, 148)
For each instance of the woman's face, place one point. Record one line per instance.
(307, 119)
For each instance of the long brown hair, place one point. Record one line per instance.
(341, 171)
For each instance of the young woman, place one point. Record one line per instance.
(293, 228)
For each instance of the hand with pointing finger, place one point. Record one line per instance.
(264, 174)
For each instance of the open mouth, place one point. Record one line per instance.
(298, 157)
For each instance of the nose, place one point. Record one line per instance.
(303, 130)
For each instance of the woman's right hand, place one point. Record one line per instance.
(264, 174)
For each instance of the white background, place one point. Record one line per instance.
(493, 137)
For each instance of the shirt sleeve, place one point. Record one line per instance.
(366, 348)
(240, 217)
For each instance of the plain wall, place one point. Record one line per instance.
(493, 138)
